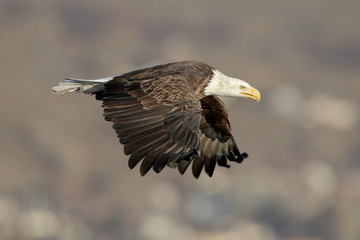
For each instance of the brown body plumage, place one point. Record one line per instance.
(163, 116)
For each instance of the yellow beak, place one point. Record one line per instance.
(251, 93)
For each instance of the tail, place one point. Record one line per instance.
(80, 85)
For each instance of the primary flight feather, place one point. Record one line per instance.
(170, 114)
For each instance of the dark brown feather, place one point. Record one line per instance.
(183, 165)
(161, 162)
(163, 117)
(156, 113)
(210, 163)
(140, 134)
(217, 143)
(197, 166)
(147, 141)
(147, 163)
(174, 160)
(136, 157)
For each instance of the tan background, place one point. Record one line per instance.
(63, 174)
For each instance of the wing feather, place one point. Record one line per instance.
(160, 120)
(217, 144)
(210, 163)
(161, 162)
(197, 166)
(140, 134)
(183, 165)
(135, 158)
(156, 122)
(147, 163)
(147, 141)
(123, 131)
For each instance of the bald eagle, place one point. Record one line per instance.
(170, 114)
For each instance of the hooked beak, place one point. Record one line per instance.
(251, 93)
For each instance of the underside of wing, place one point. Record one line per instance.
(217, 144)
(157, 125)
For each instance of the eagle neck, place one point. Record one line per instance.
(202, 81)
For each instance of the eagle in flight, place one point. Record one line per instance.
(170, 114)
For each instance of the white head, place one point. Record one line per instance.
(222, 85)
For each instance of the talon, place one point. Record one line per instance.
(239, 159)
(244, 155)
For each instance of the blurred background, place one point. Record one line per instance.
(63, 175)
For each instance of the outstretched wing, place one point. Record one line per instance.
(217, 144)
(157, 120)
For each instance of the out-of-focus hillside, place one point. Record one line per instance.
(63, 175)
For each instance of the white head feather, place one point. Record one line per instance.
(222, 85)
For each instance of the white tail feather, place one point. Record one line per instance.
(80, 85)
